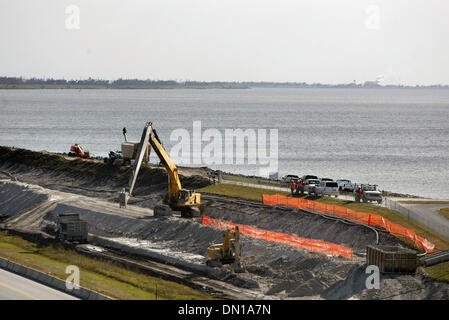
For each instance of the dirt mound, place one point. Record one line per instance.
(177, 241)
(15, 198)
(56, 185)
(98, 171)
(301, 223)
(392, 287)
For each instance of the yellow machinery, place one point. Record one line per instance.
(227, 252)
(178, 199)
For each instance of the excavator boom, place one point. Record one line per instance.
(178, 198)
(143, 145)
(167, 162)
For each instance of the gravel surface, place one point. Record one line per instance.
(275, 270)
(303, 224)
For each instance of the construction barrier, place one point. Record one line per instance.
(342, 212)
(298, 242)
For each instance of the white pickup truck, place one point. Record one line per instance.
(310, 185)
(345, 185)
(369, 193)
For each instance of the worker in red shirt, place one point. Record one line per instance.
(292, 186)
(300, 187)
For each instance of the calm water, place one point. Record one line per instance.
(398, 139)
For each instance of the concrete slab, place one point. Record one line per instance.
(3, 263)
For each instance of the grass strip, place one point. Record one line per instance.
(96, 274)
(444, 212)
(238, 191)
(423, 202)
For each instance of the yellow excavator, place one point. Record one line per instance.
(177, 199)
(227, 252)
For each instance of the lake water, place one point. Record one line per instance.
(396, 138)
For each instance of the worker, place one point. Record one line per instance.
(292, 186)
(359, 196)
(301, 186)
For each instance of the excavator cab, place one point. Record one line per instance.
(183, 195)
(188, 202)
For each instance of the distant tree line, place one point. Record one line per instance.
(51, 81)
(148, 83)
(89, 82)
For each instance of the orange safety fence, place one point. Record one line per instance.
(298, 242)
(342, 212)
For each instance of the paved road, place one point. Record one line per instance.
(432, 220)
(15, 287)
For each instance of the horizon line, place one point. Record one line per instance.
(367, 83)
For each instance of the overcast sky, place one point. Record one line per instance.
(328, 41)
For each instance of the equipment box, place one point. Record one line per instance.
(75, 231)
(129, 149)
(71, 227)
(391, 259)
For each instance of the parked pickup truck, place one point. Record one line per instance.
(310, 184)
(327, 188)
(345, 185)
(290, 177)
(369, 193)
(308, 176)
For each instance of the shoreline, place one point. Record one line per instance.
(208, 86)
(100, 87)
(204, 170)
